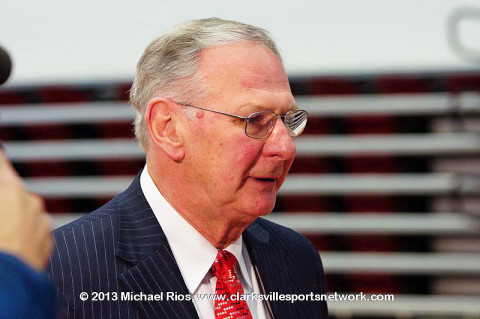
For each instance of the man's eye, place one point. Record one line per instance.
(262, 119)
(256, 119)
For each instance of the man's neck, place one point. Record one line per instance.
(220, 231)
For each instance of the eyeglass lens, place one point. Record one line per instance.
(261, 124)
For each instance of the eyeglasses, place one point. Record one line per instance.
(259, 125)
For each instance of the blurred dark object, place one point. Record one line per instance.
(5, 66)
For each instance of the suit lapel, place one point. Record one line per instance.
(142, 243)
(271, 267)
(159, 274)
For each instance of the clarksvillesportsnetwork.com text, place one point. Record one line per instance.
(272, 296)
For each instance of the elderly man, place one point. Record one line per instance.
(217, 120)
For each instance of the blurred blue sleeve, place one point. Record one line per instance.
(24, 292)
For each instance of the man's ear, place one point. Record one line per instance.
(164, 128)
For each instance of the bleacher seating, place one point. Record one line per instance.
(386, 182)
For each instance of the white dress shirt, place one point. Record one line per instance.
(195, 255)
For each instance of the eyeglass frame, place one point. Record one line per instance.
(246, 119)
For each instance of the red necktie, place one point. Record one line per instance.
(224, 268)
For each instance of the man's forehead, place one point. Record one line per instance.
(249, 65)
(265, 82)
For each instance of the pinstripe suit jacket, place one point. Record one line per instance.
(120, 247)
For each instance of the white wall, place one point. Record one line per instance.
(90, 40)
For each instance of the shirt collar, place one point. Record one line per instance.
(193, 253)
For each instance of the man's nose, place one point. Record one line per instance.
(279, 143)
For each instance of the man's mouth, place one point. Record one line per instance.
(268, 180)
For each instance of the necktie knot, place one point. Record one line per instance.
(224, 267)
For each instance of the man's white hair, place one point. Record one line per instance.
(168, 66)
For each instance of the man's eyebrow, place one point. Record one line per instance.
(256, 107)
(252, 108)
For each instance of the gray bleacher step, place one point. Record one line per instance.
(73, 150)
(426, 184)
(415, 104)
(410, 306)
(401, 263)
(389, 223)
(330, 223)
(71, 113)
(390, 144)
(431, 184)
(451, 144)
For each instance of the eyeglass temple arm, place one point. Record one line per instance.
(245, 118)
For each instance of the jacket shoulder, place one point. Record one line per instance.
(299, 251)
(284, 236)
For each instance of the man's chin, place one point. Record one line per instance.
(261, 208)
